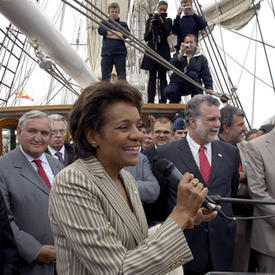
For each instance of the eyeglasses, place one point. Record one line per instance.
(61, 132)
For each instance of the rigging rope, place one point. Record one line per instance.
(113, 26)
(246, 55)
(261, 34)
(199, 9)
(250, 38)
(233, 95)
(245, 68)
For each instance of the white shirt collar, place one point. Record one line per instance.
(53, 151)
(194, 147)
(192, 143)
(43, 157)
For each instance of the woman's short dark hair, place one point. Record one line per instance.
(89, 111)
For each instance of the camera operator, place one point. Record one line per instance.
(188, 23)
(194, 64)
(158, 28)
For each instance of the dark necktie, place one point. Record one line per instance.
(42, 172)
(59, 156)
(204, 165)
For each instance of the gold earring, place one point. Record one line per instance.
(94, 144)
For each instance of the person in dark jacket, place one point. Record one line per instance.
(190, 22)
(10, 261)
(157, 29)
(192, 63)
(58, 147)
(113, 50)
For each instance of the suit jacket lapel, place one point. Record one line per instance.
(217, 158)
(133, 194)
(28, 172)
(187, 158)
(115, 199)
(55, 166)
(66, 157)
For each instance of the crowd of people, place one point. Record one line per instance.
(187, 57)
(87, 207)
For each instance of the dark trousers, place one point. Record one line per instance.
(107, 62)
(152, 84)
(175, 90)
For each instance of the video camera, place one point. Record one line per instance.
(155, 18)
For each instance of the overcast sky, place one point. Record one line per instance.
(237, 47)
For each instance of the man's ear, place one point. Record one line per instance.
(225, 128)
(18, 132)
(193, 122)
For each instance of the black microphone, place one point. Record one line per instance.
(170, 171)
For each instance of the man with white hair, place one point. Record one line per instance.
(58, 146)
(26, 175)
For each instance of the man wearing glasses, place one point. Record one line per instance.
(162, 132)
(58, 146)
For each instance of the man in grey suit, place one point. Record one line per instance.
(26, 174)
(261, 179)
(147, 183)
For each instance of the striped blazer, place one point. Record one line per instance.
(95, 231)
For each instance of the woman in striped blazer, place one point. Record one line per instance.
(95, 211)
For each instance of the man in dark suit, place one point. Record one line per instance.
(58, 146)
(26, 174)
(215, 164)
(10, 262)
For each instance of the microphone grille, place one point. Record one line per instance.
(163, 165)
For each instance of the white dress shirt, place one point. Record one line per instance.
(45, 164)
(195, 147)
(52, 152)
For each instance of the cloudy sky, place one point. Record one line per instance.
(235, 47)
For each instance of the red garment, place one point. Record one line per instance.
(42, 172)
(204, 165)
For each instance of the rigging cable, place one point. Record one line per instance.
(143, 46)
(254, 82)
(246, 55)
(232, 91)
(60, 78)
(250, 38)
(199, 9)
(261, 34)
(235, 99)
(272, 7)
(112, 25)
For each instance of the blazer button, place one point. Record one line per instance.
(177, 264)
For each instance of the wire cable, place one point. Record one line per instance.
(261, 34)
(112, 25)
